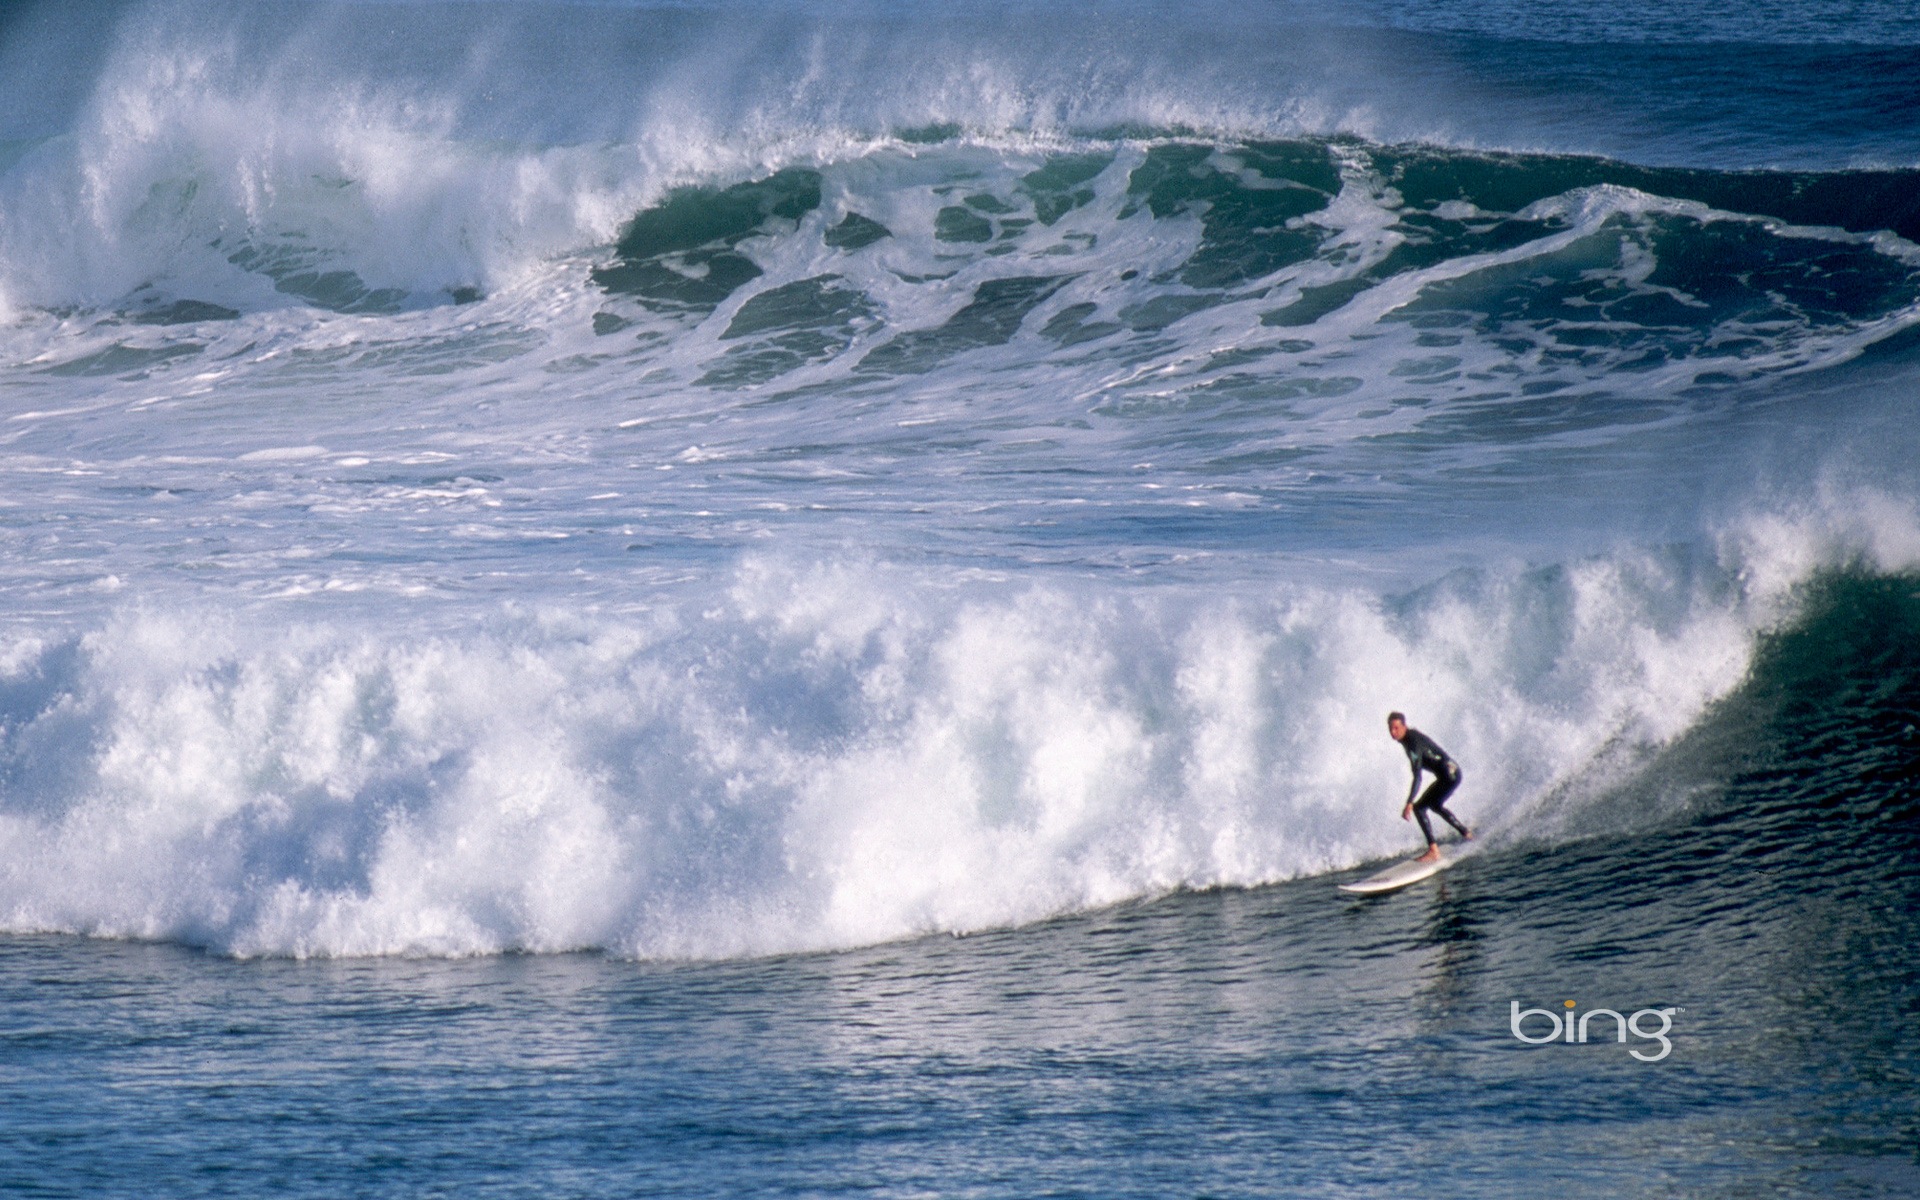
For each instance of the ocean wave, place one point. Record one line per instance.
(235, 158)
(1122, 265)
(831, 755)
(423, 447)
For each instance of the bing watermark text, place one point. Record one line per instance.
(1571, 1027)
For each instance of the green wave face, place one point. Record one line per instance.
(1463, 269)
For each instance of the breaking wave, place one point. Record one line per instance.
(823, 756)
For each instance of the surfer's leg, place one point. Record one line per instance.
(1435, 799)
(1449, 818)
(1420, 812)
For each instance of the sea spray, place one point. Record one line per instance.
(824, 756)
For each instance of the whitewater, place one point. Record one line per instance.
(799, 516)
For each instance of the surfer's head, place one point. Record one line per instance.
(1396, 725)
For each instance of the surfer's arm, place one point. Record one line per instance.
(1420, 750)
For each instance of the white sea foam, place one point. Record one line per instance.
(179, 170)
(821, 756)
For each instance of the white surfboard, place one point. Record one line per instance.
(1397, 876)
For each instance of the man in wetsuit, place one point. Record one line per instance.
(1424, 753)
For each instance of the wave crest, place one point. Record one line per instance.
(829, 756)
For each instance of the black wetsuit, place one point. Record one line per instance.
(1424, 753)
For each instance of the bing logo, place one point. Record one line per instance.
(1566, 1028)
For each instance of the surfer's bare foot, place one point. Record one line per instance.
(1466, 835)
(1432, 855)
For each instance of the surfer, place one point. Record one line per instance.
(1423, 753)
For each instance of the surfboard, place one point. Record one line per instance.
(1397, 876)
